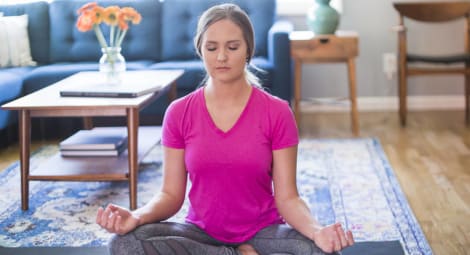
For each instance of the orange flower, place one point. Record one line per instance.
(98, 13)
(130, 14)
(86, 7)
(122, 22)
(91, 16)
(110, 15)
(85, 21)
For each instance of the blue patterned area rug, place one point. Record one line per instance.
(346, 180)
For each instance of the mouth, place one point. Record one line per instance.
(222, 68)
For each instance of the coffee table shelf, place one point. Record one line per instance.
(59, 168)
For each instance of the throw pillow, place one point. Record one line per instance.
(14, 49)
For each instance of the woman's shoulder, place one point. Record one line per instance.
(270, 99)
(184, 101)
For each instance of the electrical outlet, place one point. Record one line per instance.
(390, 64)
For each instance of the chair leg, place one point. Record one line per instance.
(402, 95)
(467, 100)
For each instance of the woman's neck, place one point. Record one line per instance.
(227, 93)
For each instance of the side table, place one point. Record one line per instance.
(340, 47)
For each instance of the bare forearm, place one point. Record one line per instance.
(161, 207)
(297, 214)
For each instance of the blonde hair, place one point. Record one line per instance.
(235, 14)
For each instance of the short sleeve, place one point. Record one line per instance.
(171, 129)
(284, 127)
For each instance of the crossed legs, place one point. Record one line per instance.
(187, 239)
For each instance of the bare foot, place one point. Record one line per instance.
(247, 249)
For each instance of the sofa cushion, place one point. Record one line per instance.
(10, 85)
(38, 26)
(10, 88)
(179, 19)
(69, 44)
(14, 49)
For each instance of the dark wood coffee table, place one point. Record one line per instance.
(47, 102)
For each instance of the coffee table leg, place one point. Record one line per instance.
(25, 139)
(87, 122)
(132, 133)
(173, 93)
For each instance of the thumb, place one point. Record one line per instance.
(114, 207)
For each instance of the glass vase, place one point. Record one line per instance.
(112, 65)
(322, 18)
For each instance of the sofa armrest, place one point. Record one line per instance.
(279, 56)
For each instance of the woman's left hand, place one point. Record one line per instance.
(332, 238)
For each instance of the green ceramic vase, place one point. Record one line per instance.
(322, 18)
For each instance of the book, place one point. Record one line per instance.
(92, 153)
(95, 139)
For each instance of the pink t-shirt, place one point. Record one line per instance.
(231, 195)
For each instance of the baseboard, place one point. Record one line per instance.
(373, 104)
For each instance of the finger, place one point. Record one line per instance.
(111, 220)
(115, 208)
(333, 245)
(118, 227)
(105, 216)
(337, 244)
(341, 236)
(98, 215)
(350, 237)
(112, 207)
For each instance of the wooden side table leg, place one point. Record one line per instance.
(297, 89)
(132, 138)
(353, 96)
(25, 139)
(87, 122)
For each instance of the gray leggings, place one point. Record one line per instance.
(167, 238)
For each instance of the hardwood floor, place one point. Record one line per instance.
(430, 157)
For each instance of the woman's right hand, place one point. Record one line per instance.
(116, 219)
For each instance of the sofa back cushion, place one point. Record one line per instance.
(38, 26)
(70, 45)
(179, 21)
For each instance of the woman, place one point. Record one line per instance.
(238, 145)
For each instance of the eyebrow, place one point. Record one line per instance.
(215, 42)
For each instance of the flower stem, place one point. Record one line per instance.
(104, 45)
(100, 36)
(121, 38)
(111, 36)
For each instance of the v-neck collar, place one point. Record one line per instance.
(237, 122)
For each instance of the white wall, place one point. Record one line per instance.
(373, 20)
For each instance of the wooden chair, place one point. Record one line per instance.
(431, 12)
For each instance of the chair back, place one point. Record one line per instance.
(433, 11)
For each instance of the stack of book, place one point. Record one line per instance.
(95, 142)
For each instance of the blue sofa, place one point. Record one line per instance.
(163, 40)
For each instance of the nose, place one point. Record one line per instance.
(222, 56)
